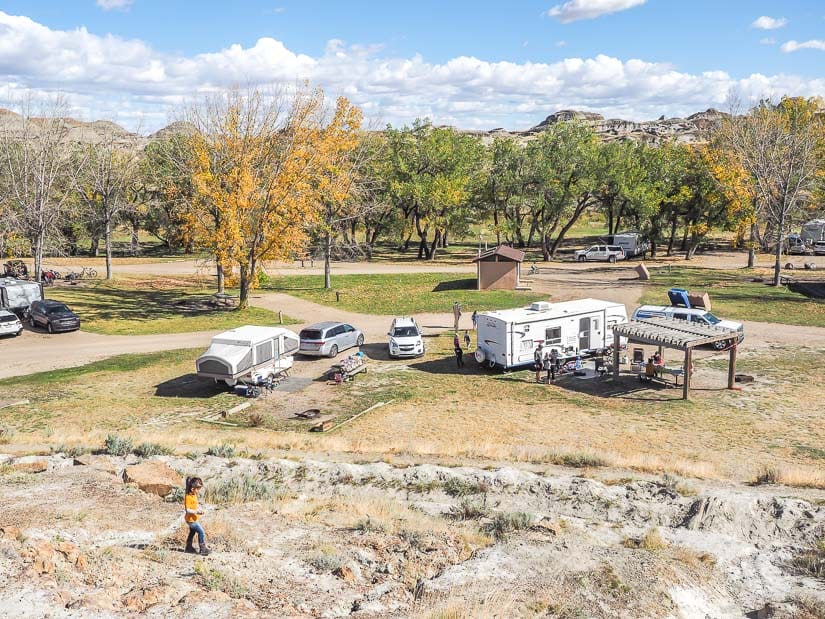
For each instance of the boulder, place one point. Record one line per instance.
(153, 477)
(43, 558)
(101, 463)
(31, 466)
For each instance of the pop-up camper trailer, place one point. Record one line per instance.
(17, 295)
(508, 338)
(248, 354)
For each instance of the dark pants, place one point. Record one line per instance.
(459, 357)
(195, 527)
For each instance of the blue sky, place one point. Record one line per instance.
(473, 64)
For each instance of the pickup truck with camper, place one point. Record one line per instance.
(610, 253)
(691, 314)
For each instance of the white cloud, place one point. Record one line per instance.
(126, 80)
(768, 41)
(769, 23)
(561, 43)
(575, 10)
(792, 46)
(108, 5)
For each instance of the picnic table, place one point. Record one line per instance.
(347, 368)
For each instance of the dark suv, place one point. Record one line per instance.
(53, 316)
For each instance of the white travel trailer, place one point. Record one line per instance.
(813, 231)
(17, 295)
(509, 338)
(248, 354)
(633, 243)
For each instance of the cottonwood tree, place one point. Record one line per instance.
(781, 148)
(38, 171)
(339, 167)
(103, 186)
(255, 166)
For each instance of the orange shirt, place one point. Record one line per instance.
(190, 502)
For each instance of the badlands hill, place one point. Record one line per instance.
(689, 130)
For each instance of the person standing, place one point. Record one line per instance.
(548, 368)
(467, 339)
(456, 314)
(475, 320)
(538, 357)
(459, 354)
(556, 361)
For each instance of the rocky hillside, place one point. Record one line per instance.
(688, 130)
(313, 538)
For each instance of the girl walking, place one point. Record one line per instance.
(190, 506)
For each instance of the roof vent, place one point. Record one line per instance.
(540, 306)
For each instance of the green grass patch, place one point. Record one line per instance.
(403, 293)
(125, 307)
(736, 297)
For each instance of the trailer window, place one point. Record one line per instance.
(526, 345)
(552, 335)
(263, 351)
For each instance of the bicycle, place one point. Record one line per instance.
(85, 273)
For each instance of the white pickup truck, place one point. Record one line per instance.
(692, 314)
(610, 253)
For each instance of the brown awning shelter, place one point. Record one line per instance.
(677, 334)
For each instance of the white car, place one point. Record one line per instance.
(611, 253)
(819, 248)
(10, 324)
(691, 314)
(405, 338)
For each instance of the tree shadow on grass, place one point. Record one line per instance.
(102, 303)
(190, 386)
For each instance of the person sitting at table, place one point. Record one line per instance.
(650, 369)
(657, 359)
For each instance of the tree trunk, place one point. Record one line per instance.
(221, 277)
(327, 269)
(580, 208)
(135, 245)
(751, 257)
(435, 244)
(38, 255)
(107, 240)
(673, 225)
(243, 292)
(95, 246)
(496, 226)
(777, 266)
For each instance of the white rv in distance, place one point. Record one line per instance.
(509, 338)
(248, 353)
(813, 231)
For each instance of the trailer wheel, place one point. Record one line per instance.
(490, 363)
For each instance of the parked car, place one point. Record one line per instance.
(53, 316)
(691, 314)
(327, 339)
(405, 338)
(795, 245)
(611, 253)
(10, 324)
(819, 248)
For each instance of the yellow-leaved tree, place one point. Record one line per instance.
(257, 164)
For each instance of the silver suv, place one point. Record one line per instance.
(611, 253)
(327, 339)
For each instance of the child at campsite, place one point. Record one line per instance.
(190, 506)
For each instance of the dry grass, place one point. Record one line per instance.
(795, 476)
(651, 541)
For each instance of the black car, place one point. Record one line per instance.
(53, 316)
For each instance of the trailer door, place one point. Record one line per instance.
(584, 333)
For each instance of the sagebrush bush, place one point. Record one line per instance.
(117, 446)
(224, 450)
(504, 523)
(467, 510)
(457, 487)
(147, 450)
(243, 489)
(6, 433)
